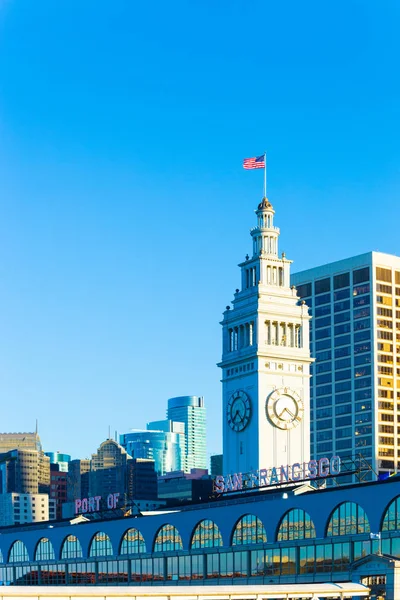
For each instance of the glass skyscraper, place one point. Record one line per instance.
(355, 339)
(191, 411)
(163, 442)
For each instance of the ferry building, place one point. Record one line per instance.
(274, 528)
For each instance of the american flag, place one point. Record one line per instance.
(256, 162)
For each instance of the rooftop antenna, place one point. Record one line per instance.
(36, 429)
(116, 436)
(109, 432)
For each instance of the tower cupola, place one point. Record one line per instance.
(265, 235)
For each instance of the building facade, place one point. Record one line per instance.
(191, 411)
(58, 487)
(142, 479)
(259, 538)
(265, 360)
(216, 464)
(59, 458)
(16, 509)
(109, 470)
(355, 338)
(24, 467)
(78, 479)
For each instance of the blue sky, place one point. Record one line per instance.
(124, 209)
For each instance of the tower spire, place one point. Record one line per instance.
(265, 235)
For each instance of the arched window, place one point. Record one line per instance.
(132, 542)
(249, 530)
(168, 538)
(348, 519)
(100, 545)
(206, 535)
(391, 518)
(44, 550)
(71, 548)
(296, 525)
(18, 552)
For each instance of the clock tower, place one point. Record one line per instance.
(265, 361)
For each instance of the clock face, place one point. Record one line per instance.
(238, 411)
(285, 408)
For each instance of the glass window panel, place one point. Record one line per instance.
(212, 566)
(18, 552)
(44, 550)
(296, 525)
(71, 548)
(100, 545)
(348, 518)
(206, 535)
(168, 538)
(391, 519)
(132, 542)
(249, 530)
(322, 286)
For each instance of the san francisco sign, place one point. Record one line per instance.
(313, 469)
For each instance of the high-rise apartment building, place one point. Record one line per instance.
(355, 338)
(191, 411)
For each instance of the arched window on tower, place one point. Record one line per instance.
(281, 276)
(251, 333)
(235, 338)
(298, 342)
(275, 333)
(241, 337)
(230, 333)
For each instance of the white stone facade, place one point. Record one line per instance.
(265, 361)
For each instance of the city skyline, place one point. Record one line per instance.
(124, 205)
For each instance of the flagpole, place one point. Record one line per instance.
(265, 174)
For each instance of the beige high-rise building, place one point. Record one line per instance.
(24, 467)
(355, 339)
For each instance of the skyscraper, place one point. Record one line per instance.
(24, 466)
(191, 411)
(355, 338)
(108, 470)
(265, 361)
(163, 442)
